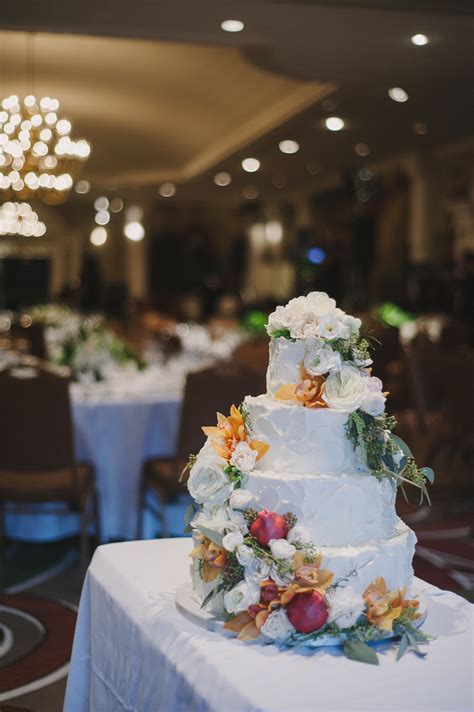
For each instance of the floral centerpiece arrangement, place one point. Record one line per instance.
(262, 571)
(92, 352)
(336, 373)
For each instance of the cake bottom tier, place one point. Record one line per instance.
(359, 565)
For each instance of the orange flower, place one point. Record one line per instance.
(308, 392)
(229, 431)
(213, 557)
(247, 626)
(307, 577)
(384, 607)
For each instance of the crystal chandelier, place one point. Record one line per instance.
(38, 158)
(20, 219)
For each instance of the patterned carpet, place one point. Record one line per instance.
(36, 636)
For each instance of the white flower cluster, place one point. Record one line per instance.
(349, 388)
(313, 315)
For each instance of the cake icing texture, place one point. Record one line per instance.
(294, 524)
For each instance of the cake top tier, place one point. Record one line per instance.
(315, 315)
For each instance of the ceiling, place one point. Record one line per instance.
(191, 99)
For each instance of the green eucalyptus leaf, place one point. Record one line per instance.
(213, 592)
(428, 473)
(404, 646)
(189, 514)
(215, 537)
(362, 653)
(401, 444)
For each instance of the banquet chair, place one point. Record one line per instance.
(206, 392)
(33, 336)
(37, 462)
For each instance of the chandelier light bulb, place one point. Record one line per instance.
(20, 219)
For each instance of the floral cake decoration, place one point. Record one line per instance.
(264, 571)
(336, 373)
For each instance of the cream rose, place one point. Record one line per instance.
(243, 457)
(242, 596)
(232, 540)
(208, 483)
(220, 519)
(345, 389)
(279, 320)
(282, 549)
(277, 626)
(299, 533)
(320, 303)
(241, 498)
(244, 554)
(373, 402)
(329, 326)
(345, 607)
(322, 361)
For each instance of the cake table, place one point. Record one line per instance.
(134, 651)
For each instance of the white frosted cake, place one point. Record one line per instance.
(294, 523)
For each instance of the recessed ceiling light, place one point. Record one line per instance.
(398, 94)
(232, 25)
(289, 146)
(420, 39)
(134, 231)
(116, 205)
(82, 187)
(250, 192)
(420, 128)
(313, 169)
(250, 165)
(101, 203)
(279, 181)
(167, 190)
(102, 217)
(222, 179)
(334, 123)
(361, 149)
(98, 236)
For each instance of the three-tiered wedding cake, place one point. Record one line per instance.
(294, 524)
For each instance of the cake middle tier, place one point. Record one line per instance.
(341, 510)
(302, 440)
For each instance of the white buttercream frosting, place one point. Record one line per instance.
(284, 363)
(302, 440)
(336, 510)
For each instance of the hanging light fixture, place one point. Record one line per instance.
(38, 157)
(20, 219)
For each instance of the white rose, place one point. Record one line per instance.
(282, 549)
(244, 555)
(207, 480)
(232, 540)
(243, 457)
(373, 403)
(220, 519)
(241, 498)
(277, 626)
(353, 323)
(299, 533)
(345, 606)
(329, 326)
(278, 320)
(242, 596)
(280, 579)
(256, 570)
(320, 303)
(305, 327)
(345, 389)
(317, 363)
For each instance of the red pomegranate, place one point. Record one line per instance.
(268, 525)
(307, 611)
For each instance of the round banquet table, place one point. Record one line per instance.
(117, 425)
(134, 651)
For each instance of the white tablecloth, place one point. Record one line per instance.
(116, 426)
(134, 651)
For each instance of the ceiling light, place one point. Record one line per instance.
(222, 179)
(101, 203)
(232, 25)
(167, 190)
(250, 192)
(116, 205)
(102, 217)
(420, 39)
(313, 168)
(20, 219)
(398, 94)
(274, 232)
(134, 231)
(361, 149)
(250, 165)
(420, 128)
(334, 123)
(82, 187)
(289, 146)
(133, 214)
(279, 181)
(98, 236)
